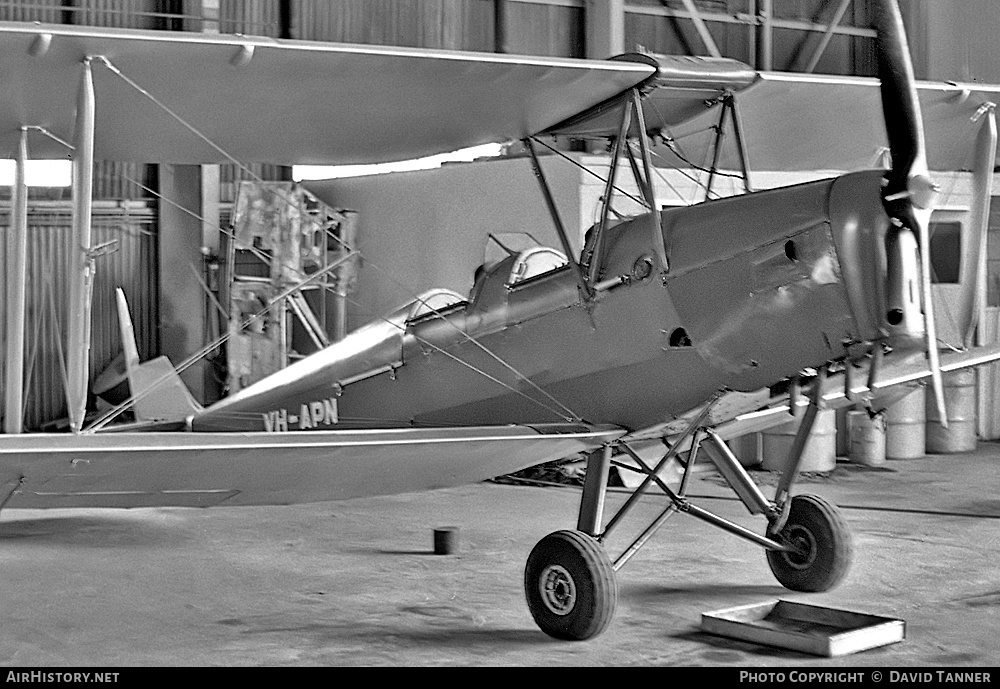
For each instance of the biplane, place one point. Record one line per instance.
(672, 332)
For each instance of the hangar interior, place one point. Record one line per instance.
(167, 227)
(685, 318)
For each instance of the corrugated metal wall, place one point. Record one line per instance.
(250, 17)
(131, 265)
(49, 11)
(230, 176)
(448, 24)
(735, 38)
(131, 14)
(552, 30)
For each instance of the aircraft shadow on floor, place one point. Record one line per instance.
(90, 531)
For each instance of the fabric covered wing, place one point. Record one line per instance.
(205, 469)
(281, 101)
(682, 88)
(795, 122)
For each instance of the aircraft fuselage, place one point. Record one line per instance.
(757, 288)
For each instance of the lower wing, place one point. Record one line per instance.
(737, 413)
(205, 469)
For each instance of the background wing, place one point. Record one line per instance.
(283, 101)
(795, 122)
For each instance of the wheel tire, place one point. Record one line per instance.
(815, 526)
(569, 584)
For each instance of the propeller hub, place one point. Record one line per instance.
(923, 191)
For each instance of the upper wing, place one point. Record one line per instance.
(282, 101)
(205, 469)
(836, 123)
(678, 91)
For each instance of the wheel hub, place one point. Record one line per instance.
(804, 543)
(558, 590)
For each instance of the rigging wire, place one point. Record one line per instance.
(203, 351)
(572, 415)
(586, 169)
(290, 202)
(46, 132)
(107, 63)
(214, 344)
(206, 139)
(675, 148)
(224, 230)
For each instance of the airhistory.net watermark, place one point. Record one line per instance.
(61, 677)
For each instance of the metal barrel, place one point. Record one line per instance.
(445, 540)
(867, 436)
(821, 448)
(960, 403)
(904, 427)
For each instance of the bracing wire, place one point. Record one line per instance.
(566, 410)
(191, 360)
(105, 418)
(572, 416)
(46, 132)
(586, 169)
(217, 342)
(675, 148)
(256, 177)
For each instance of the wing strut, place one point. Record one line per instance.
(730, 108)
(642, 172)
(593, 252)
(585, 290)
(81, 265)
(17, 259)
(647, 165)
(974, 254)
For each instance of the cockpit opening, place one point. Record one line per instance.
(435, 302)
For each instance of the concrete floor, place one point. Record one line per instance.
(356, 583)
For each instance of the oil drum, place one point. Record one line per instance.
(867, 436)
(821, 448)
(960, 404)
(904, 427)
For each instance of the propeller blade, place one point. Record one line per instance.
(933, 358)
(908, 194)
(974, 250)
(900, 105)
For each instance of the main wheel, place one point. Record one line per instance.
(570, 586)
(822, 543)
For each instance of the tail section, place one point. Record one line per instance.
(158, 393)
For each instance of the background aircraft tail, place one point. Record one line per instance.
(158, 393)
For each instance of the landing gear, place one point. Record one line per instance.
(569, 580)
(821, 542)
(570, 586)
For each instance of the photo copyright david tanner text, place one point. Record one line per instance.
(889, 676)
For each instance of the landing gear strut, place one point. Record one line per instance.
(569, 580)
